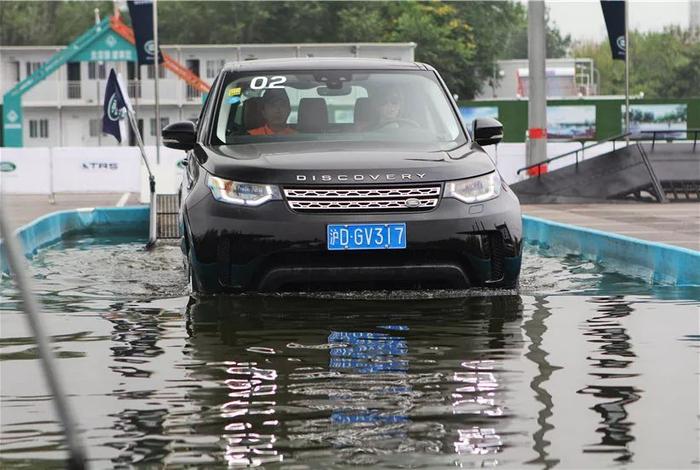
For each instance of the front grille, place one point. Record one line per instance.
(402, 198)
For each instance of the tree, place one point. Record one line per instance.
(42, 23)
(461, 39)
(515, 43)
(662, 64)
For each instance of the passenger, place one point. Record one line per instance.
(275, 111)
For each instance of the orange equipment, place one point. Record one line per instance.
(171, 64)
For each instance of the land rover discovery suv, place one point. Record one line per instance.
(341, 174)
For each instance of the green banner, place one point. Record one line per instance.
(109, 47)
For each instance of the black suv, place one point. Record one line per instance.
(341, 174)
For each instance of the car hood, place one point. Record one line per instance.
(342, 163)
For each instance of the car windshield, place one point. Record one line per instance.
(336, 105)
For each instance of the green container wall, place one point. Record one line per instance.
(513, 113)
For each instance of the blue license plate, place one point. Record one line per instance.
(366, 236)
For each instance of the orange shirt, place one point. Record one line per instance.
(266, 130)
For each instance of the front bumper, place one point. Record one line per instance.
(272, 248)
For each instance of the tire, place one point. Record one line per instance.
(194, 285)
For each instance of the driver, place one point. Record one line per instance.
(385, 111)
(389, 109)
(275, 111)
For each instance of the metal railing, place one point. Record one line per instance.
(193, 93)
(612, 139)
(73, 90)
(134, 88)
(671, 138)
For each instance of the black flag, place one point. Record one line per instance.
(141, 12)
(113, 106)
(614, 13)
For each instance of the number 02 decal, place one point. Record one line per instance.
(260, 83)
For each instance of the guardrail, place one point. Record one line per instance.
(612, 139)
(672, 138)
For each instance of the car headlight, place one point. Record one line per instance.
(241, 194)
(470, 190)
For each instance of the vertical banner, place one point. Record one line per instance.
(614, 13)
(141, 12)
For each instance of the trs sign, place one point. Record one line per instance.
(100, 166)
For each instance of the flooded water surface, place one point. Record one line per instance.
(578, 368)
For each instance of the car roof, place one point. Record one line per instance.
(325, 63)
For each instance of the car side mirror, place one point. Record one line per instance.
(487, 131)
(180, 135)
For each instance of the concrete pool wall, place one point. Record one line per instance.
(656, 263)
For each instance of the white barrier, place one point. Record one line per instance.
(511, 157)
(41, 170)
(25, 172)
(96, 169)
(168, 173)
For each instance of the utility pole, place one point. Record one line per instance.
(537, 85)
(97, 88)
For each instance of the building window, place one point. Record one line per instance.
(214, 67)
(97, 70)
(33, 67)
(151, 71)
(39, 128)
(95, 127)
(163, 122)
(15, 68)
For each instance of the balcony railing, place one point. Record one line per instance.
(73, 90)
(89, 92)
(193, 93)
(134, 88)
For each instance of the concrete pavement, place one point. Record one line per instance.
(674, 223)
(23, 208)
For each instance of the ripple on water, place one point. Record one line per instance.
(330, 380)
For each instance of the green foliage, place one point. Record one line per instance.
(662, 64)
(47, 23)
(461, 39)
(515, 45)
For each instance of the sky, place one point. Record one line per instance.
(583, 19)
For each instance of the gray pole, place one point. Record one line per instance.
(156, 66)
(627, 70)
(99, 107)
(31, 307)
(537, 86)
(152, 231)
(97, 87)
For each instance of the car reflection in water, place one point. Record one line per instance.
(365, 382)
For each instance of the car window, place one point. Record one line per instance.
(336, 105)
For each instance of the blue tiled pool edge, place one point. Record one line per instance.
(53, 227)
(654, 262)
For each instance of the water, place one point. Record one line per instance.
(579, 368)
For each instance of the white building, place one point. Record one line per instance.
(65, 109)
(694, 21)
(565, 78)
